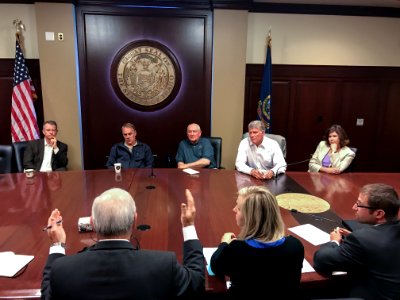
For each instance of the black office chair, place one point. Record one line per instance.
(5, 159)
(19, 149)
(216, 142)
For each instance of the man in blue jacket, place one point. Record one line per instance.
(131, 153)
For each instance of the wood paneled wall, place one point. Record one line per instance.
(308, 99)
(102, 32)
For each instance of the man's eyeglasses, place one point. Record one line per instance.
(365, 206)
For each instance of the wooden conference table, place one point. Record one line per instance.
(25, 204)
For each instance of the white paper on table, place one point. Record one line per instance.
(307, 268)
(311, 234)
(11, 263)
(190, 171)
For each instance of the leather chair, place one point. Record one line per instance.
(5, 159)
(280, 139)
(19, 149)
(216, 142)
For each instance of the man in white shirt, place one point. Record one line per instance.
(258, 155)
(47, 154)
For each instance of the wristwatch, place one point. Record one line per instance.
(58, 244)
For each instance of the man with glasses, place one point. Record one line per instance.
(195, 151)
(370, 255)
(258, 155)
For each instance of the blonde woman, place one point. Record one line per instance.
(260, 258)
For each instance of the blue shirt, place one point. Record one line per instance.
(140, 157)
(188, 152)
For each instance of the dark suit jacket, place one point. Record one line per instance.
(115, 270)
(34, 153)
(370, 256)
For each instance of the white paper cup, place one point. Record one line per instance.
(29, 173)
(117, 168)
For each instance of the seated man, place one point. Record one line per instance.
(131, 153)
(258, 155)
(370, 255)
(195, 151)
(46, 154)
(112, 268)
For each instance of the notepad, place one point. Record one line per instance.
(190, 171)
(11, 263)
(311, 234)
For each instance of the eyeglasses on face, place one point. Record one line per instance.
(365, 206)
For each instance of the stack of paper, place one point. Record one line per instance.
(11, 264)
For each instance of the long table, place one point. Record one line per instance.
(25, 204)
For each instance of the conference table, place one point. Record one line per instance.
(26, 203)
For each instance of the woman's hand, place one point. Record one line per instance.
(228, 237)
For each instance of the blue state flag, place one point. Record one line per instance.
(264, 102)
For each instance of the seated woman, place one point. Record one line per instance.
(332, 154)
(260, 259)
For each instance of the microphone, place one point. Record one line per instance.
(315, 216)
(152, 167)
(291, 164)
(150, 186)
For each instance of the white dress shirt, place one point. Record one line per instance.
(267, 156)
(48, 153)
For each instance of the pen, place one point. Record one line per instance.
(49, 226)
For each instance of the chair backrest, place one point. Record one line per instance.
(216, 142)
(19, 149)
(5, 159)
(280, 139)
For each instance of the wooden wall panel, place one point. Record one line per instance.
(315, 107)
(102, 32)
(323, 95)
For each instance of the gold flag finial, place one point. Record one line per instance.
(269, 39)
(19, 27)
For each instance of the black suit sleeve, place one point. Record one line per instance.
(60, 160)
(46, 288)
(190, 278)
(346, 257)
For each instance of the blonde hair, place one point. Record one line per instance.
(262, 217)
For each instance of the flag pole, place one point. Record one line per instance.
(264, 101)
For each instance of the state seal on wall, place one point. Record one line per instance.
(146, 75)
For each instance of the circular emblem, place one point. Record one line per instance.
(146, 75)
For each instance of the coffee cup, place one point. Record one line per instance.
(117, 167)
(29, 173)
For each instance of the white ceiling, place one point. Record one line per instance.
(381, 3)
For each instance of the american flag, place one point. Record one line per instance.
(23, 116)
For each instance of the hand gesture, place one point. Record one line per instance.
(334, 147)
(335, 235)
(188, 210)
(228, 237)
(53, 142)
(56, 232)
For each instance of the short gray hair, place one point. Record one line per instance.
(113, 212)
(257, 124)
